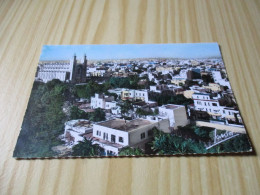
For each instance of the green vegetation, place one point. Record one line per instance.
(130, 82)
(142, 112)
(87, 148)
(171, 144)
(43, 120)
(76, 113)
(191, 140)
(125, 107)
(88, 90)
(236, 144)
(120, 82)
(127, 151)
(167, 97)
(97, 115)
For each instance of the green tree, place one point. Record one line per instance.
(76, 113)
(81, 91)
(237, 144)
(127, 151)
(97, 115)
(43, 120)
(203, 132)
(125, 107)
(171, 144)
(87, 148)
(120, 82)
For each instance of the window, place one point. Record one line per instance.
(205, 103)
(121, 139)
(104, 135)
(113, 138)
(150, 133)
(224, 112)
(199, 102)
(142, 135)
(214, 104)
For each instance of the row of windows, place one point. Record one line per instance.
(217, 111)
(207, 98)
(130, 94)
(49, 67)
(112, 137)
(205, 103)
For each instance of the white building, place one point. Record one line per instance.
(211, 105)
(96, 72)
(115, 134)
(74, 130)
(175, 113)
(58, 69)
(218, 79)
(102, 101)
(132, 94)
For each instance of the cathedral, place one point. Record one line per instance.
(73, 71)
(79, 70)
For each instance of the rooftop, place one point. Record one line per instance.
(120, 124)
(172, 106)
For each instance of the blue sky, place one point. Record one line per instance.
(183, 50)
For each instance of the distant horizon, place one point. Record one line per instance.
(131, 51)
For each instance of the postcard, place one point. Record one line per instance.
(131, 100)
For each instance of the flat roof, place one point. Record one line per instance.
(172, 106)
(120, 124)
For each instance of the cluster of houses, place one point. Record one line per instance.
(202, 80)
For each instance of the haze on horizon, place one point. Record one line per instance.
(131, 51)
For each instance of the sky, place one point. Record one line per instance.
(95, 52)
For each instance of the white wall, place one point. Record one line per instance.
(110, 132)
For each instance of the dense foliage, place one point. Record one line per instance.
(43, 120)
(76, 113)
(237, 144)
(89, 89)
(171, 144)
(87, 148)
(167, 97)
(130, 82)
(127, 151)
(97, 115)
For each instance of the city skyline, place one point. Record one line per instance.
(131, 51)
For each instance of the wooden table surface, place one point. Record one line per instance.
(26, 25)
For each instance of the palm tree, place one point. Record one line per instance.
(87, 148)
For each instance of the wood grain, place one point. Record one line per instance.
(26, 25)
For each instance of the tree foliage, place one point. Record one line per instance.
(127, 151)
(89, 89)
(43, 120)
(97, 115)
(172, 144)
(168, 97)
(87, 148)
(237, 144)
(76, 113)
